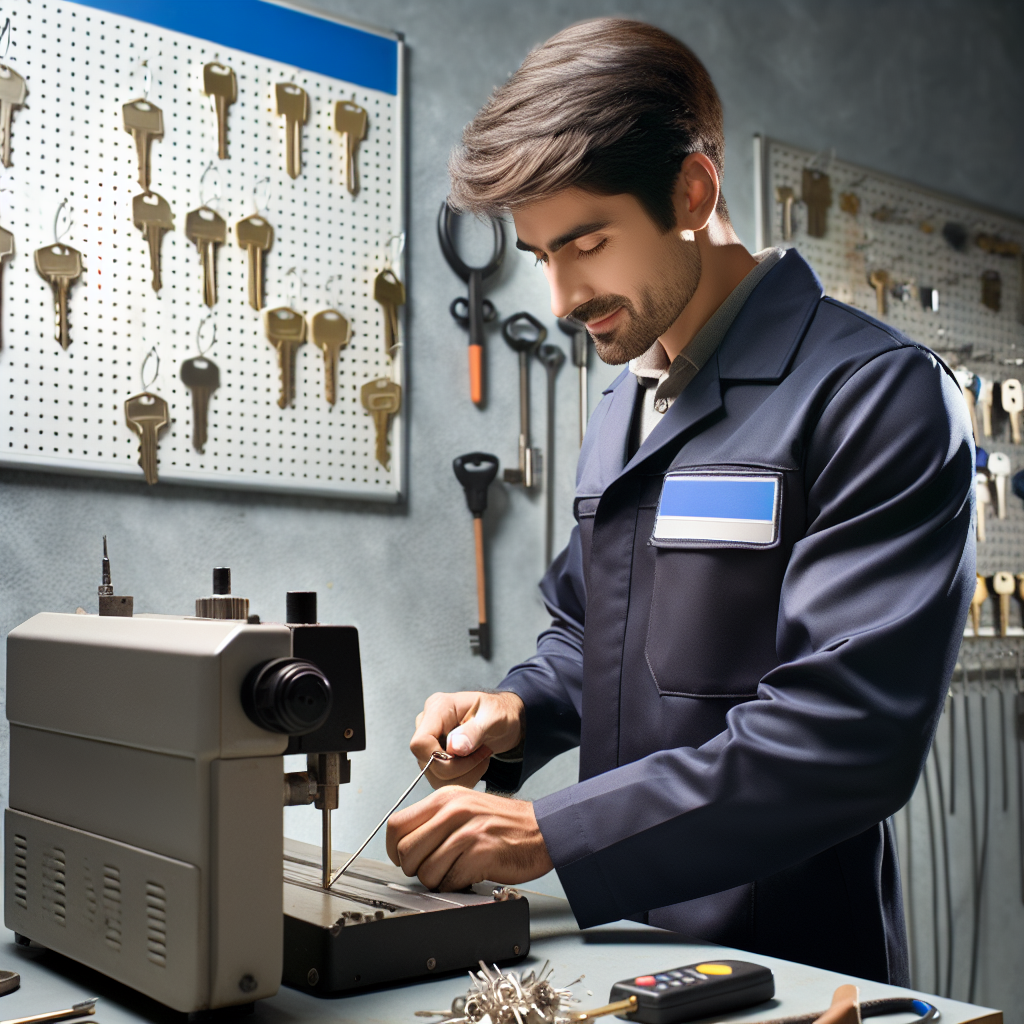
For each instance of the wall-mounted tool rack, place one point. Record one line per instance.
(64, 410)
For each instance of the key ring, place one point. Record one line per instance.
(215, 197)
(295, 287)
(154, 355)
(6, 31)
(209, 318)
(459, 310)
(65, 209)
(261, 208)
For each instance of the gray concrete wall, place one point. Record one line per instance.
(932, 91)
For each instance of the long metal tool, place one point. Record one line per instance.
(552, 357)
(437, 755)
(580, 358)
(81, 1009)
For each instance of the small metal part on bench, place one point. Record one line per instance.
(110, 603)
(220, 604)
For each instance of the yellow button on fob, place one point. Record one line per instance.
(713, 969)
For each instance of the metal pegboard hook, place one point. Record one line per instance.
(153, 355)
(294, 286)
(333, 297)
(147, 76)
(5, 38)
(261, 195)
(210, 190)
(62, 221)
(208, 319)
(393, 249)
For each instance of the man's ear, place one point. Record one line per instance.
(696, 193)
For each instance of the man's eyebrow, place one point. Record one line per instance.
(570, 236)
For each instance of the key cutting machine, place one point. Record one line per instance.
(144, 832)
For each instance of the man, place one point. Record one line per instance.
(757, 616)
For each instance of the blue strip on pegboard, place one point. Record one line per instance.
(275, 32)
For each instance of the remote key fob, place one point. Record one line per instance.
(695, 991)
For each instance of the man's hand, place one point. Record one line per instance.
(471, 726)
(457, 837)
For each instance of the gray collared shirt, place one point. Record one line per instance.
(662, 383)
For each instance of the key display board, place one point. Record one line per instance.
(73, 179)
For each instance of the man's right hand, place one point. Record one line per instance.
(471, 726)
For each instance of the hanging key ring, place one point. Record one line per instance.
(261, 208)
(64, 208)
(6, 31)
(459, 310)
(389, 260)
(199, 334)
(154, 355)
(216, 195)
(294, 297)
(332, 298)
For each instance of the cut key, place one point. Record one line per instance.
(202, 377)
(13, 92)
(350, 120)
(145, 122)
(147, 414)
(382, 398)
(61, 266)
(330, 332)
(293, 106)
(286, 331)
(219, 82)
(256, 236)
(152, 216)
(208, 229)
(6, 249)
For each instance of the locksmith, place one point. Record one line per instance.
(758, 613)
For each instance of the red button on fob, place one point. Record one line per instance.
(646, 981)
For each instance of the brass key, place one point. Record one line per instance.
(61, 266)
(382, 398)
(785, 195)
(256, 236)
(219, 82)
(1004, 584)
(1011, 394)
(12, 94)
(980, 597)
(816, 192)
(152, 215)
(330, 332)
(202, 377)
(390, 293)
(286, 331)
(207, 229)
(350, 120)
(145, 122)
(6, 249)
(293, 106)
(879, 280)
(147, 414)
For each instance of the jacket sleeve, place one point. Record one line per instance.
(872, 610)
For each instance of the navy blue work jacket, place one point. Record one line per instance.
(749, 717)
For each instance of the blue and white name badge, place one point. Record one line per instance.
(719, 510)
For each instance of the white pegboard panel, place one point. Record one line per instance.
(65, 410)
(898, 228)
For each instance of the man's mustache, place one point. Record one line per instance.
(599, 308)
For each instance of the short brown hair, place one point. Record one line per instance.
(610, 106)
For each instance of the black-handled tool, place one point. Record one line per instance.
(552, 357)
(524, 333)
(475, 472)
(476, 310)
(580, 358)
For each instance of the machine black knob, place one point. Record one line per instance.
(287, 695)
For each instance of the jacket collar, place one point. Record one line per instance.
(759, 346)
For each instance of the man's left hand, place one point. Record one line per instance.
(457, 837)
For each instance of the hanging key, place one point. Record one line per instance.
(982, 500)
(787, 197)
(1011, 397)
(1004, 584)
(879, 280)
(147, 414)
(980, 597)
(999, 469)
(208, 229)
(152, 215)
(293, 106)
(219, 82)
(816, 193)
(286, 331)
(6, 250)
(330, 332)
(965, 379)
(580, 358)
(256, 236)
(382, 398)
(350, 120)
(983, 391)
(202, 377)
(145, 122)
(390, 293)
(61, 266)
(523, 333)
(13, 92)
(551, 357)
(992, 290)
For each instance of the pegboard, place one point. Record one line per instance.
(898, 228)
(64, 410)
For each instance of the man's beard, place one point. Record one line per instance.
(659, 310)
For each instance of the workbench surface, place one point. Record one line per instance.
(603, 955)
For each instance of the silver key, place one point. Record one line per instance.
(330, 332)
(256, 236)
(982, 500)
(152, 216)
(12, 94)
(61, 266)
(1004, 584)
(202, 377)
(1011, 396)
(219, 82)
(145, 122)
(6, 249)
(293, 106)
(350, 119)
(147, 414)
(207, 229)
(999, 469)
(286, 331)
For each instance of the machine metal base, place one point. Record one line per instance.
(376, 926)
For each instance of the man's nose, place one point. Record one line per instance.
(568, 291)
